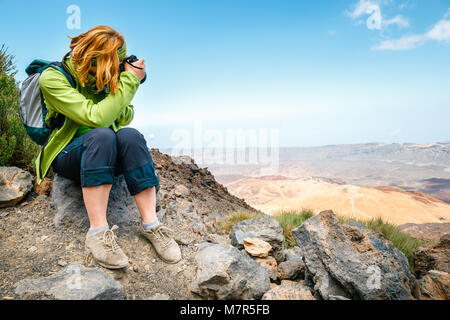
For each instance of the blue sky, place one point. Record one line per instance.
(320, 72)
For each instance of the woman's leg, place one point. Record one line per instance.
(98, 162)
(91, 160)
(68, 165)
(98, 165)
(146, 203)
(96, 202)
(137, 166)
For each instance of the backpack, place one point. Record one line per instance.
(32, 108)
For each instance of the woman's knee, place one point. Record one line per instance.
(99, 148)
(126, 136)
(132, 149)
(104, 137)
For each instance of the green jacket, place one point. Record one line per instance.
(82, 107)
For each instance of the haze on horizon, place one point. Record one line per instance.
(319, 72)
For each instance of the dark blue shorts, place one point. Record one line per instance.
(95, 158)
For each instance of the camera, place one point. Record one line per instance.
(130, 60)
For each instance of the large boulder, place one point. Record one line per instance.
(352, 262)
(225, 273)
(435, 285)
(433, 256)
(263, 227)
(75, 282)
(15, 184)
(67, 199)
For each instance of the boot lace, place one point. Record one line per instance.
(162, 234)
(109, 239)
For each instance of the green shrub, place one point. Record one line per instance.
(289, 220)
(16, 148)
(403, 241)
(234, 217)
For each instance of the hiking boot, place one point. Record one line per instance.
(167, 249)
(105, 250)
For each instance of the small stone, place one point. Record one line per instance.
(293, 291)
(32, 249)
(159, 296)
(181, 191)
(135, 268)
(117, 274)
(44, 188)
(62, 263)
(257, 247)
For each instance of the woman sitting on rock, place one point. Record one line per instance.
(92, 147)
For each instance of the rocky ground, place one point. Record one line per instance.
(32, 246)
(42, 248)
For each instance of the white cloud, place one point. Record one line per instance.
(440, 32)
(403, 43)
(397, 20)
(332, 32)
(407, 5)
(360, 9)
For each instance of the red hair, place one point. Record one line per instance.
(96, 51)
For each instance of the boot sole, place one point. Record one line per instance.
(104, 264)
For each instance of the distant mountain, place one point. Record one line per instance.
(414, 167)
(408, 153)
(273, 194)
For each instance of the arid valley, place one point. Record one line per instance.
(402, 183)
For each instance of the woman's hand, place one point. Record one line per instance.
(137, 72)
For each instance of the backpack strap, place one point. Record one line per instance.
(58, 122)
(59, 66)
